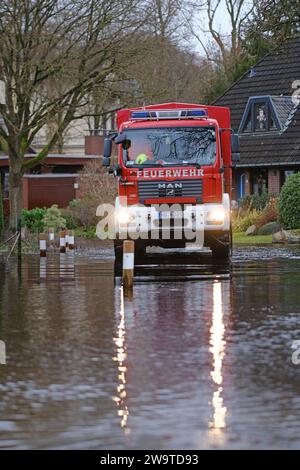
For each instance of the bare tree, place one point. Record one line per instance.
(222, 49)
(78, 43)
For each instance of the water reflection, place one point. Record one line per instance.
(119, 358)
(217, 349)
(197, 363)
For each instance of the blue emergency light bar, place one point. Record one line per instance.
(168, 114)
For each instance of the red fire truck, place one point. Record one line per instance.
(173, 155)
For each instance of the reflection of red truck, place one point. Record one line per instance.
(175, 153)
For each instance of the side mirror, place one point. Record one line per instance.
(235, 143)
(121, 138)
(107, 148)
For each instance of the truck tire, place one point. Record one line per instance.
(139, 250)
(221, 252)
(221, 249)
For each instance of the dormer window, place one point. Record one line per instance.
(260, 116)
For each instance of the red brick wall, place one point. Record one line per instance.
(273, 181)
(247, 183)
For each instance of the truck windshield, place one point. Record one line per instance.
(170, 145)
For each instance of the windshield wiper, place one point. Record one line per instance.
(136, 165)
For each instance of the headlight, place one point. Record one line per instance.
(123, 215)
(216, 216)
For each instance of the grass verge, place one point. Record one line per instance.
(240, 238)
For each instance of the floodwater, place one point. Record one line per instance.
(190, 360)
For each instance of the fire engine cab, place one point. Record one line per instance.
(174, 175)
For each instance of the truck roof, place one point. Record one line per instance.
(142, 124)
(220, 114)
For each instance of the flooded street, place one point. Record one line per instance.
(199, 361)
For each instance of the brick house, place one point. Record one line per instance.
(266, 113)
(54, 181)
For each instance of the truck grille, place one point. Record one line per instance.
(170, 189)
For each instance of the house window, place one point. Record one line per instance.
(259, 116)
(259, 181)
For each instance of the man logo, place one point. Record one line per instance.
(169, 189)
(2, 353)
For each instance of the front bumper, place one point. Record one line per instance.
(143, 221)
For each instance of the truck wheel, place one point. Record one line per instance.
(221, 252)
(139, 250)
(221, 249)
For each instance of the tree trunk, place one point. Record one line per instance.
(15, 193)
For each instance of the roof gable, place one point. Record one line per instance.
(277, 75)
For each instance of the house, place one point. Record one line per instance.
(265, 111)
(54, 180)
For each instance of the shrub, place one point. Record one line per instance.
(97, 187)
(289, 203)
(96, 184)
(89, 233)
(241, 223)
(259, 201)
(254, 201)
(270, 213)
(53, 218)
(71, 221)
(33, 219)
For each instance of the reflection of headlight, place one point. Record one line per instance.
(123, 215)
(216, 216)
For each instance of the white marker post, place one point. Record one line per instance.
(67, 238)
(62, 241)
(51, 236)
(128, 263)
(2, 353)
(43, 245)
(71, 240)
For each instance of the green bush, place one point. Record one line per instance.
(33, 219)
(74, 203)
(53, 218)
(240, 224)
(71, 220)
(88, 233)
(254, 201)
(259, 201)
(289, 203)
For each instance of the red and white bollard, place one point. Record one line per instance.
(71, 240)
(67, 238)
(51, 236)
(62, 242)
(128, 264)
(43, 244)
